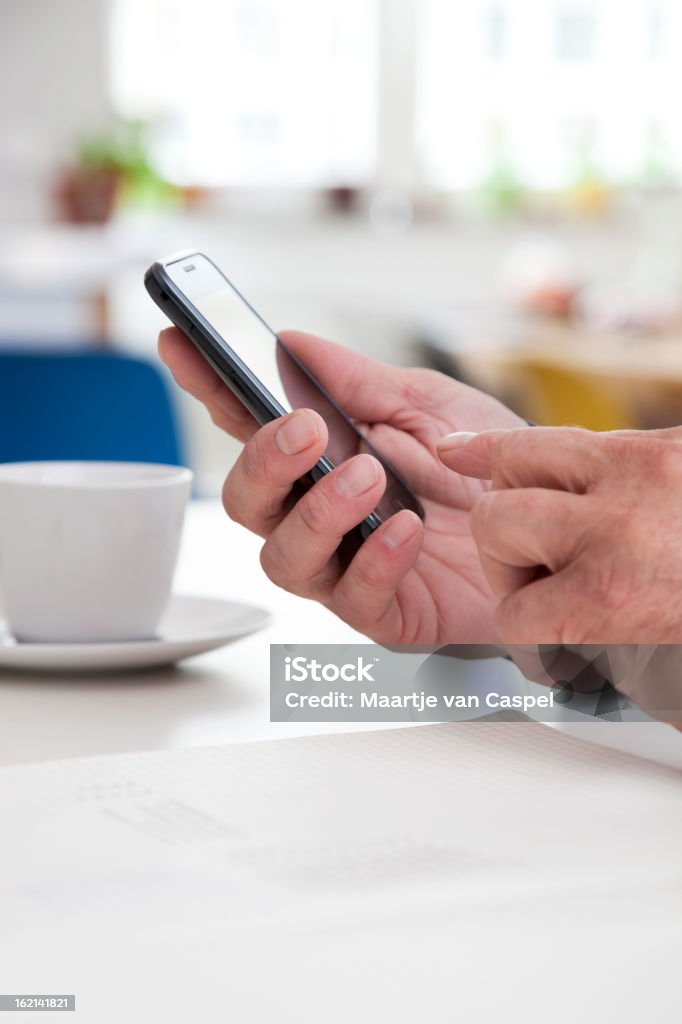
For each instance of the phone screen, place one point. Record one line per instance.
(246, 336)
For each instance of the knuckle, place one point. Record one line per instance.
(647, 458)
(316, 510)
(509, 620)
(366, 574)
(233, 507)
(275, 566)
(519, 619)
(279, 569)
(256, 459)
(421, 388)
(482, 514)
(609, 586)
(578, 620)
(665, 459)
(248, 496)
(574, 631)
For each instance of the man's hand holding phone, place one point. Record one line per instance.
(410, 582)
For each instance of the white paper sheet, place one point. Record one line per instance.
(200, 884)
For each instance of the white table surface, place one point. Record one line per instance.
(220, 697)
(422, 960)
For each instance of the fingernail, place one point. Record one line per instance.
(357, 476)
(298, 432)
(457, 440)
(399, 529)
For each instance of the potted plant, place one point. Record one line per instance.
(107, 169)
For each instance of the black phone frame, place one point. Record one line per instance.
(238, 377)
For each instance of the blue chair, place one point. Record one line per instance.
(85, 404)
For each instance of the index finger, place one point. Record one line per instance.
(562, 458)
(197, 377)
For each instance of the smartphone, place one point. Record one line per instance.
(259, 368)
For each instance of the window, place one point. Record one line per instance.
(266, 92)
(574, 33)
(251, 92)
(551, 88)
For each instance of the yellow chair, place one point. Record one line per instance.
(557, 396)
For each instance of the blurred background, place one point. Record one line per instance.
(490, 187)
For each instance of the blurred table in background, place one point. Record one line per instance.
(558, 373)
(372, 291)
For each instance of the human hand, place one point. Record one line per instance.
(648, 675)
(580, 537)
(409, 582)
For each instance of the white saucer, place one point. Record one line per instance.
(191, 625)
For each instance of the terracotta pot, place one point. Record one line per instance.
(88, 195)
(343, 199)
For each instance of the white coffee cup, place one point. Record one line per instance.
(88, 549)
